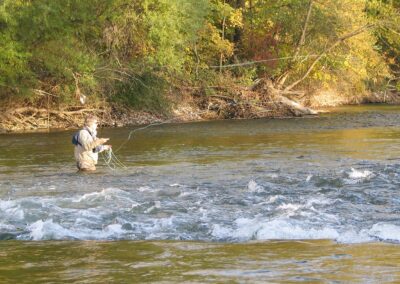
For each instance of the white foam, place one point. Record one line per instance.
(113, 195)
(46, 230)
(49, 230)
(273, 176)
(274, 198)
(385, 231)
(290, 207)
(114, 229)
(6, 227)
(159, 228)
(244, 229)
(157, 205)
(252, 186)
(221, 232)
(357, 176)
(11, 210)
(283, 229)
(351, 236)
(105, 194)
(144, 189)
(319, 201)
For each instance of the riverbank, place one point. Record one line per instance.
(245, 105)
(218, 107)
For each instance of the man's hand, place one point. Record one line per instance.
(107, 147)
(103, 140)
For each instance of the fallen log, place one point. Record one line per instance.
(296, 108)
(278, 95)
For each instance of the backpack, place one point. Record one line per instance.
(75, 139)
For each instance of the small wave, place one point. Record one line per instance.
(358, 176)
(108, 195)
(385, 232)
(252, 186)
(157, 205)
(48, 230)
(11, 210)
(354, 174)
(275, 198)
(245, 229)
(290, 209)
(319, 201)
(6, 227)
(145, 189)
(104, 194)
(282, 229)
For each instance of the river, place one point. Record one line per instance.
(278, 200)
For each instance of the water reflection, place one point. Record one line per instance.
(191, 262)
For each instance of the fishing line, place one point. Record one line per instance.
(112, 161)
(116, 160)
(108, 163)
(138, 129)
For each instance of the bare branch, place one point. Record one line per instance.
(303, 33)
(282, 79)
(326, 51)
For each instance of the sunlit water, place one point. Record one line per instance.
(225, 184)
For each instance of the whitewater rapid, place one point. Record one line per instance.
(277, 207)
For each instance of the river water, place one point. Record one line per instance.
(283, 200)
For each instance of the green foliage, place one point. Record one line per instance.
(387, 15)
(14, 72)
(143, 92)
(132, 52)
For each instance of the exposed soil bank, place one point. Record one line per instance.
(246, 105)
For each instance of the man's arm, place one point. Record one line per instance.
(102, 148)
(87, 141)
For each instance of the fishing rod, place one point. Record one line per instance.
(142, 128)
(109, 157)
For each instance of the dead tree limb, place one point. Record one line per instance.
(282, 79)
(326, 51)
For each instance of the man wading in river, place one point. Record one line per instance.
(88, 146)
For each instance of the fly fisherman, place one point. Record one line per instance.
(88, 146)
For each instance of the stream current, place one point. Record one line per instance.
(333, 177)
(222, 185)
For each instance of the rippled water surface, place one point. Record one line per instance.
(225, 184)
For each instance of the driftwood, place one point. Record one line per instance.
(226, 98)
(278, 95)
(28, 118)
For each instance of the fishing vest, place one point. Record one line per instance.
(75, 137)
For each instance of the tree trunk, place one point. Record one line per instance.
(301, 42)
(237, 37)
